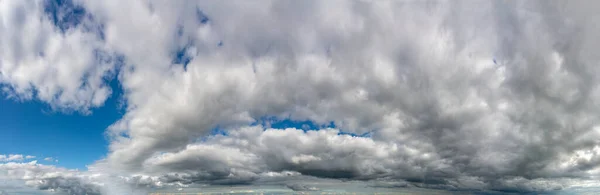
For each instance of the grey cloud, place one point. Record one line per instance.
(300, 187)
(315, 153)
(390, 184)
(31, 176)
(250, 151)
(44, 177)
(326, 154)
(472, 95)
(72, 186)
(422, 77)
(224, 177)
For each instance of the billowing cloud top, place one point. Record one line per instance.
(461, 95)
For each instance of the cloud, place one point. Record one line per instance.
(298, 187)
(51, 159)
(11, 157)
(72, 182)
(45, 177)
(250, 152)
(29, 157)
(66, 69)
(443, 114)
(464, 96)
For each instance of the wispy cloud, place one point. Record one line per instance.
(11, 157)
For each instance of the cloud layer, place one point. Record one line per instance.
(467, 95)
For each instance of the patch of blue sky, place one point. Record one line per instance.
(305, 125)
(183, 56)
(65, 15)
(76, 140)
(201, 17)
(284, 123)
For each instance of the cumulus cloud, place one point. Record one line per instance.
(73, 182)
(299, 187)
(249, 154)
(64, 67)
(45, 177)
(11, 157)
(476, 95)
(29, 157)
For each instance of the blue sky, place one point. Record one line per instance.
(75, 140)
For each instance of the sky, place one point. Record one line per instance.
(439, 97)
(76, 139)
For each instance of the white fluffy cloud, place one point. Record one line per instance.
(11, 157)
(37, 60)
(481, 95)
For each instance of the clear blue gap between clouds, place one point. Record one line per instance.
(279, 123)
(65, 15)
(76, 140)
